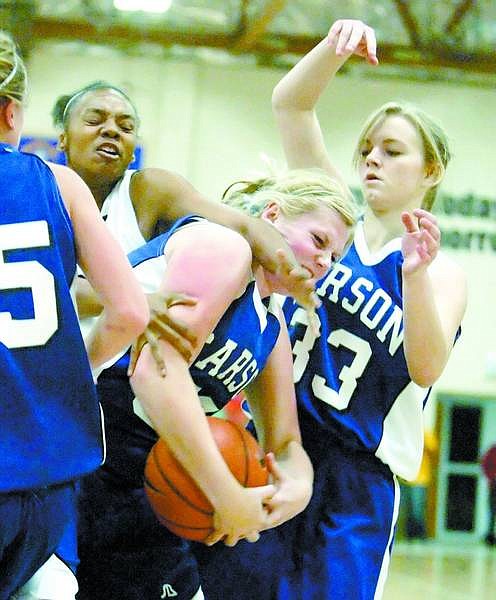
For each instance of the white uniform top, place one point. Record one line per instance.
(118, 212)
(120, 218)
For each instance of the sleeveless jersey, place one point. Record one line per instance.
(119, 215)
(50, 420)
(237, 350)
(352, 381)
(233, 355)
(120, 218)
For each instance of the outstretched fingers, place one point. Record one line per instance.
(409, 222)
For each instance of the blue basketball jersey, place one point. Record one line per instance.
(50, 419)
(352, 381)
(233, 355)
(237, 350)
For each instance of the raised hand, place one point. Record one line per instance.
(421, 240)
(351, 36)
(163, 326)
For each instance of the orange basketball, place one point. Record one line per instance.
(177, 501)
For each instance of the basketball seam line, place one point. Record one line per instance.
(176, 490)
(181, 526)
(245, 452)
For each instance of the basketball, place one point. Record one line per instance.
(177, 501)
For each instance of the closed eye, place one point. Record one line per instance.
(318, 240)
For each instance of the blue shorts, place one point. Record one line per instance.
(31, 525)
(338, 548)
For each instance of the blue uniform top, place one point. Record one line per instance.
(232, 356)
(49, 413)
(352, 382)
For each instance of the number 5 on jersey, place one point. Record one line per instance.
(30, 274)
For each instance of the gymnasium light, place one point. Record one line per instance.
(153, 6)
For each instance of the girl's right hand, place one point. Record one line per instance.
(350, 36)
(241, 515)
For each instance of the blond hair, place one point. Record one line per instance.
(13, 79)
(295, 192)
(434, 140)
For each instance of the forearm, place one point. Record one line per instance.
(425, 344)
(112, 333)
(300, 89)
(88, 302)
(173, 406)
(263, 238)
(293, 459)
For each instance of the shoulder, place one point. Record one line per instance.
(65, 176)
(71, 186)
(157, 182)
(159, 192)
(444, 269)
(208, 262)
(449, 285)
(211, 239)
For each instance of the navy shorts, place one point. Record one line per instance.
(338, 548)
(31, 525)
(124, 552)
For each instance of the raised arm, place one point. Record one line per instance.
(100, 257)
(434, 298)
(196, 266)
(296, 95)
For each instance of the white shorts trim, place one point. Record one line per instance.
(53, 581)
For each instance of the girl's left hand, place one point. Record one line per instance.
(291, 496)
(421, 240)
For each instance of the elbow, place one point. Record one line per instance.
(275, 99)
(424, 375)
(133, 317)
(424, 380)
(426, 365)
(279, 103)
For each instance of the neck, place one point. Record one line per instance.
(264, 281)
(99, 188)
(382, 227)
(7, 137)
(101, 191)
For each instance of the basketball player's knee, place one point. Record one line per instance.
(53, 581)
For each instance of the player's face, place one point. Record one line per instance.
(392, 169)
(101, 136)
(317, 238)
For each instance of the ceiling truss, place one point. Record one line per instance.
(254, 31)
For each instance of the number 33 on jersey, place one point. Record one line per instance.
(352, 378)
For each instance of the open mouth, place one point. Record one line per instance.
(108, 150)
